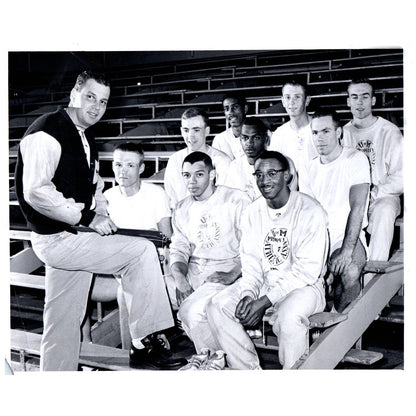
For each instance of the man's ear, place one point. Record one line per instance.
(307, 100)
(141, 169)
(339, 133)
(268, 138)
(75, 98)
(348, 102)
(373, 100)
(212, 174)
(207, 130)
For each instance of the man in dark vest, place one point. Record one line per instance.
(58, 187)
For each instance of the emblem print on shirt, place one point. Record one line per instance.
(276, 246)
(208, 232)
(366, 146)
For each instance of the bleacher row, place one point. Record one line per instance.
(146, 102)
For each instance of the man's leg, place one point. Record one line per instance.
(229, 333)
(382, 214)
(193, 315)
(290, 321)
(134, 259)
(347, 286)
(66, 296)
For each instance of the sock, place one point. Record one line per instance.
(137, 343)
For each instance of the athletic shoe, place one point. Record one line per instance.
(196, 360)
(215, 362)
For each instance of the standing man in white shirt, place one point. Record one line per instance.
(339, 179)
(194, 129)
(205, 245)
(235, 110)
(294, 138)
(382, 142)
(283, 251)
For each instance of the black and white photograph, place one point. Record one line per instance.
(206, 207)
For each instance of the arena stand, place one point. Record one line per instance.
(146, 105)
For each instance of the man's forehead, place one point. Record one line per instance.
(249, 130)
(322, 122)
(231, 101)
(266, 164)
(361, 88)
(196, 121)
(293, 89)
(126, 155)
(194, 167)
(101, 90)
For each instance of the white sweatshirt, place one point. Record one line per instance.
(228, 143)
(175, 185)
(207, 233)
(282, 249)
(383, 144)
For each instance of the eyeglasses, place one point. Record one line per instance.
(271, 174)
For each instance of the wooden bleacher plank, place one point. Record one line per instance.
(25, 261)
(363, 357)
(27, 280)
(331, 346)
(93, 355)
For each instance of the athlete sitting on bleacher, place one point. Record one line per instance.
(205, 255)
(58, 187)
(339, 180)
(283, 252)
(133, 204)
(382, 142)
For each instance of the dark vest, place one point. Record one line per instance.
(73, 177)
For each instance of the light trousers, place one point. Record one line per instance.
(382, 214)
(70, 260)
(289, 323)
(193, 315)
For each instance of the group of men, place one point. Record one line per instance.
(258, 222)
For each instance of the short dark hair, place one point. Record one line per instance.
(271, 154)
(236, 96)
(130, 147)
(256, 122)
(326, 112)
(84, 76)
(355, 81)
(199, 157)
(195, 112)
(297, 83)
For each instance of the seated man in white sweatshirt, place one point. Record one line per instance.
(204, 252)
(382, 142)
(283, 252)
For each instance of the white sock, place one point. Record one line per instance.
(137, 343)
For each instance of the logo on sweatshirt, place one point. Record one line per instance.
(366, 146)
(208, 232)
(276, 246)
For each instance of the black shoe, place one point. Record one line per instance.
(154, 354)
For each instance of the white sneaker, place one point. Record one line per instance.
(195, 362)
(215, 362)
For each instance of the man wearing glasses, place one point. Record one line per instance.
(283, 253)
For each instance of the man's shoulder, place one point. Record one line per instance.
(231, 194)
(47, 122)
(218, 154)
(111, 192)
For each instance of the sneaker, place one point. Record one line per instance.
(196, 360)
(155, 355)
(215, 362)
